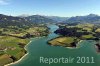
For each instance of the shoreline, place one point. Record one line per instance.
(23, 55)
(76, 46)
(66, 47)
(20, 58)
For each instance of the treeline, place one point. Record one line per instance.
(71, 32)
(86, 31)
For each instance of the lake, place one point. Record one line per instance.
(39, 48)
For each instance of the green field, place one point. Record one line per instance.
(62, 41)
(14, 39)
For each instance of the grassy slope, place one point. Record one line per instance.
(62, 41)
(12, 47)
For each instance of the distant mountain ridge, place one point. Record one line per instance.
(91, 18)
(13, 21)
(29, 20)
(57, 18)
(6, 20)
(39, 19)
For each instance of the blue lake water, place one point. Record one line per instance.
(39, 48)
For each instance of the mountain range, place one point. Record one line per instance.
(6, 20)
(57, 18)
(91, 18)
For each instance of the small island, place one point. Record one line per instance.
(71, 34)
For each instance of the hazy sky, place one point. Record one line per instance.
(50, 7)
